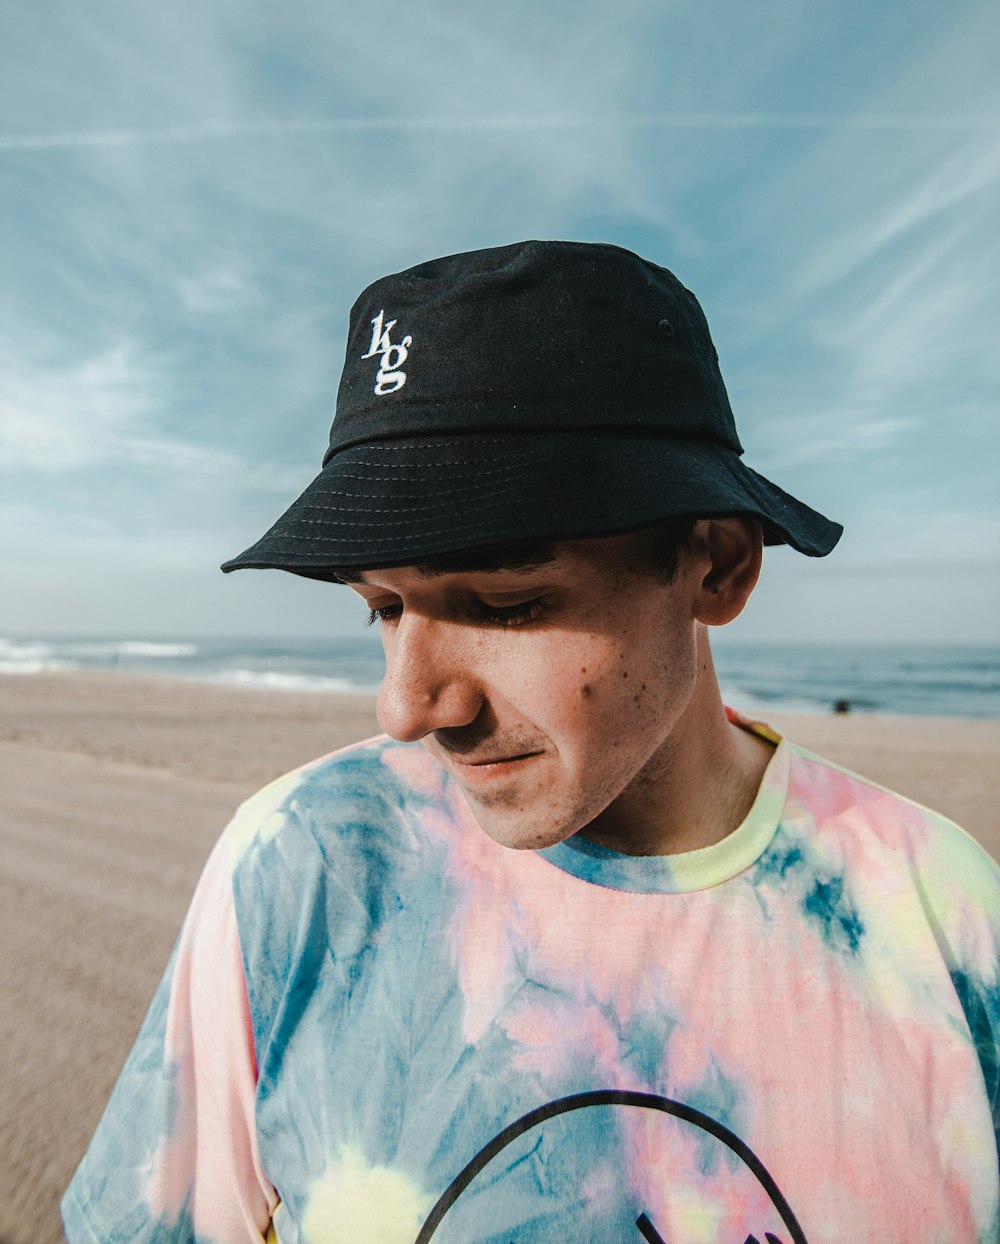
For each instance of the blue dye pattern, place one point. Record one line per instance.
(599, 865)
(292, 872)
(363, 979)
(981, 1004)
(137, 1225)
(722, 1099)
(826, 904)
(783, 859)
(178, 1230)
(779, 858)
(533, 1189)
(645, 1040)
(120, 1183)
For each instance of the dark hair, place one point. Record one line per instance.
(669, 538)
(515, 555)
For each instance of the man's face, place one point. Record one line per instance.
(550, 692)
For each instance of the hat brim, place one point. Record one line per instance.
(400, 502)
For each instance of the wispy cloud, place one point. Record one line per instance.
(63, 416)
(223, 287)
(831, 437)
(884, 297)
(957, 177)
(912, 340)
(223, 131)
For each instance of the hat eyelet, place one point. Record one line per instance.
(666, 328)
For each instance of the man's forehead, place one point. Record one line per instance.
(511, 558)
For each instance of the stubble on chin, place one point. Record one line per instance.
(514, 823)
(502, 816)
(508, 800)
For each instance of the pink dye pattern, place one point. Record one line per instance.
(415, 767)
(540, 1029)
(839, 1066)
(842, 1072)
(843, 805)
(664, 1154)
(688, 1060)
(208, 1027)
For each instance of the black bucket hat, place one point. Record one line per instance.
(538, 390)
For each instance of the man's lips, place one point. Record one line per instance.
(475, 770)
(477, 753)
(491, 762)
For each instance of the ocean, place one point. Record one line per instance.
(936, 681)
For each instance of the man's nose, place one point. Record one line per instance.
(430, 679)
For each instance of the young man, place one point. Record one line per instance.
(575, 953)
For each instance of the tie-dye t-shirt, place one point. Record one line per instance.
(378, 1025)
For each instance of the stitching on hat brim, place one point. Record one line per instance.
(327, 483)
(339, 502)
(491, 490)
(429, 533)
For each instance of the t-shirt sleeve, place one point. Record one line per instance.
(960, 892)
(175, 1155)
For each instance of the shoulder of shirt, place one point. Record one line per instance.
(360, 770)
(942, 827)
(950, 837)
(364, 751)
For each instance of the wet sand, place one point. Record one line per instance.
(113, 789)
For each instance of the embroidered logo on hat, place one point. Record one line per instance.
(388, 378)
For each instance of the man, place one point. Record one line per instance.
(575, 954)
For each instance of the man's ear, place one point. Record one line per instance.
(732, 549)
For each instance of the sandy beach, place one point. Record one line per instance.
(113, 789)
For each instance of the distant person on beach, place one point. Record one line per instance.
(575, 953)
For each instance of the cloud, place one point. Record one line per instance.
(871, 339)
(961, 537)
(57, 415)
(224, 287)
(834, 437)
(929, 324)
(222, 131)
(959, 176)
(903, 357)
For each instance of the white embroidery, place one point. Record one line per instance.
(388, 378)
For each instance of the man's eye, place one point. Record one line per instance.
(510, 615)
(387, 613)
(491, 615)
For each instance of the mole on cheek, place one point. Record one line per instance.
(586, 690)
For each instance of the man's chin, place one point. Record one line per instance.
(512, 827)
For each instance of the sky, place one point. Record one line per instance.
(193, 194)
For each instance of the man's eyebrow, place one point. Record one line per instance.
(513, 558)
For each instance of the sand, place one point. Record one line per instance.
(113, 789)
